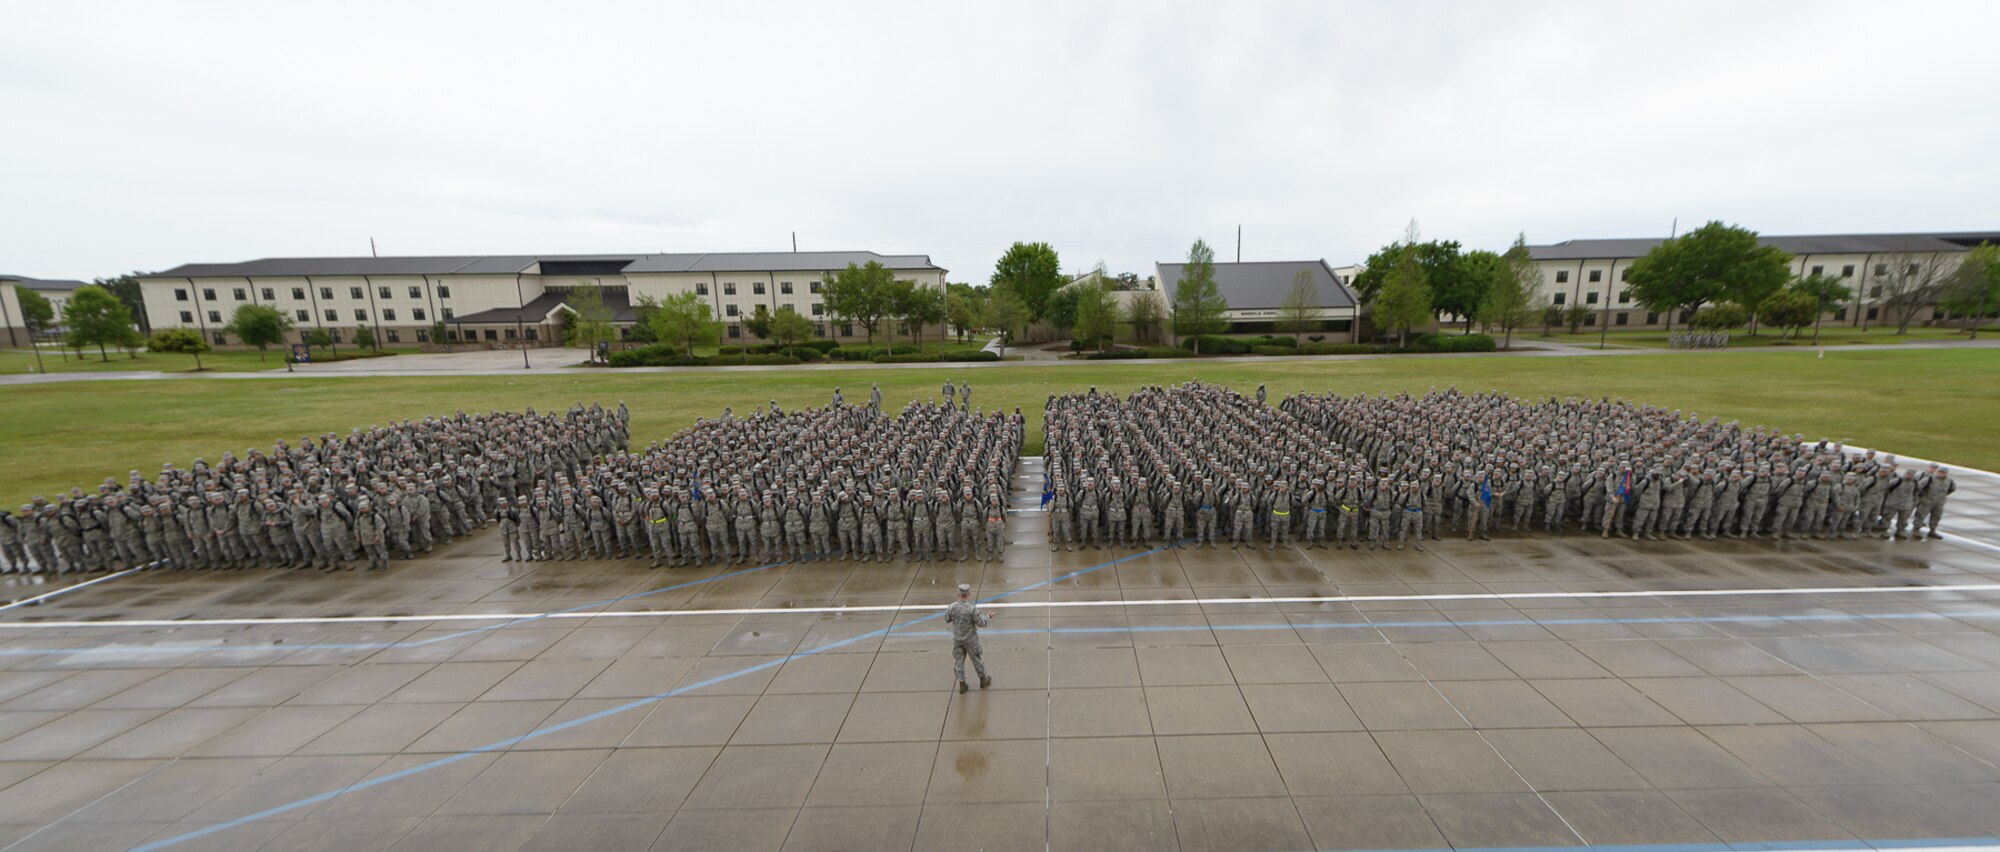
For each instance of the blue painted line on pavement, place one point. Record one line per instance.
(601, 714)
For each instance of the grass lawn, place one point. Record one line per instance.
(17, 361)
(1925, 402)
(1830, 335)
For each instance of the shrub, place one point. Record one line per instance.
(969, 355)
(1268, 340)
(907, 358)
(1316, 337)
(1453, 343)
(1215, 344)
(822, 345)
(1341, 349)
(657, 355)
(1120, 355)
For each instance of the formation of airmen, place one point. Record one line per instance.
(372, 495)
(1199, 461)
(1697, 339)
(839, 480)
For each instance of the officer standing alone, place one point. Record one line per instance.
(965, 620)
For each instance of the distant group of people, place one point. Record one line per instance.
(1697, 339)
(387, 491)
(1200, 462)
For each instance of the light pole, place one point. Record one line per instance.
(520, 325)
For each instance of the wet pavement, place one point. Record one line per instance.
(1528, 691)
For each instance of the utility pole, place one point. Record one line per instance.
(371, 247)
(1674, 231)
(795, 242)
(1239, 243)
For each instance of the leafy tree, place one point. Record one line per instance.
(1825, 290)
(185, 341)
(1459, 282)
(1710, 263)
(1145, 313)
(1005, 314)
(861, 294)
(94, 317)
(1911, 281)
(1404, 301)
(1974, 288)
(1574, 315)
(1298, 310)
(440, 333)
(260, 326)
(1510, 292)
(1032, 272)
(919, 307)
(960, 311)
(364, 337)
(593, 318)
(1198, 304)
(683, 320)
(1062, 309)
(36, 312)
(758, 323)
(1719, 316)
(319, 338)
(1096, 312)
(1552, 316)
(126, 288)
(1788, 309)
(789, 329)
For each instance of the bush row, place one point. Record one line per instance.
(1215, 345)
(660, 355)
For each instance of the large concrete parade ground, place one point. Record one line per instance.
(1529, 691)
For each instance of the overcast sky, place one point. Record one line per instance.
(147, 135)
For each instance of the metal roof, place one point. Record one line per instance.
(812, 261)
(40, 284)
(1624, 248)
(1264, 284)
(542, 307)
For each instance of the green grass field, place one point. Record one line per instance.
(19, 361)
(1830, 335)
(1930, 403)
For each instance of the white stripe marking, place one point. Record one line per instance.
(67, 589)
(838, 610)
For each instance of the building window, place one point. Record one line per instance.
(355, 294)
(1840, 315)
(388, 314)
(1847, 271)
(393, 336)
(1559, 298)
(1624, 297)
(728, 288)
(1562, 276)
(701, 288)
(1590, 298)
(208, 294)
(491, 335)
(532, 332)
(417, 314)
(1652, 318)
(187, 316)
(788, 306)
(423, 336)
(847, 331)
(729, 310)
(1622, 318)
(1596, 275)
(1875, 292)
(509, 334)
(757, 287)
(1818, 269)
(1874, 313)
(332, 315)
(1881, 269)
(180, 295)
(444, 291)
(819, 328)
(240, 295)
(812, 286)
(1590, 320)
(1625, 274)
(334, 335)
(1910, 270)
(270, 295)
(214, 316)
(818, 309)
(416, 292)
(785, 287)
(446, 312)
(326, 293)
(735, 331)
(303, 316)
(220, 340)
(360, 315)
(382, 292)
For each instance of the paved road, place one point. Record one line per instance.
(508, 363)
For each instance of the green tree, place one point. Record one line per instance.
(1005, 314)
(1788, 309)
(1061, 311)
(1198, 304)
(861, 294)
(260, 326)
(1145, 313)
(1298, 311)
(1510, 292)
(789, 329)
(36, 312)
(1096, 313)
(1459, 282)
(1032, 272)
(1825, 290)
(593, 318)
(364, 337)
(1404, 301)
(1973, 289)
(683, 320)
(126, 288)
(185, 341)
(758, 323)
(1552, 316)
(919, 307)
(319, 337)
(1720, 316)
(94, 317)
(1574, 316)
(440, 333)
(1910, 281)
(960, 311)
(1710, 263)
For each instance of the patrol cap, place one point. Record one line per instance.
(965, 588)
